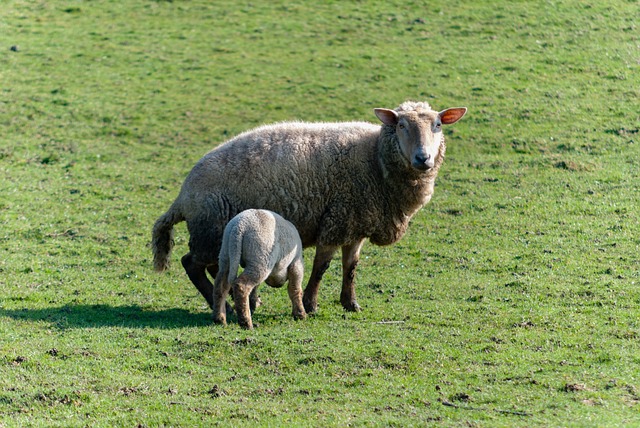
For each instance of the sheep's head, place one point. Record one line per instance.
(419, 130)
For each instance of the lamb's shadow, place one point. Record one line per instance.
(93, 316)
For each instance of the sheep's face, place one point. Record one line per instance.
(420, 132)
(420, 135)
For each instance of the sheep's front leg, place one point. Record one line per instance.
(350, 258)
(242, 288)
(295, 273)
(321, 263)
(197, 274)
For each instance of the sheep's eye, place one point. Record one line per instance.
(401, 126)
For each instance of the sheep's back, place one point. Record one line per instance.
(294, 169)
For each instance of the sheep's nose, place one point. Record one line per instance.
(423, 158)
(422, 161)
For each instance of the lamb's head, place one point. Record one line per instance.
(419, 130)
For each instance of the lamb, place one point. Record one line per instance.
(269, 248)
(338, 183)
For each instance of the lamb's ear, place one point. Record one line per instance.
(452, 115)
(386, 116)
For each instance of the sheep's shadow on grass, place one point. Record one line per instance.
(95, 316)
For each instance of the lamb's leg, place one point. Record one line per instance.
(213, 271)
(242, 288)
(321, 263)
(350, 258)
(197, 274)
(254, 300)
(295, 273)
(221, 289)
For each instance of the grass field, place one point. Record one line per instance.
(513, 300)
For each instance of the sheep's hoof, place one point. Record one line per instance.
(311, 307)
(352, 306)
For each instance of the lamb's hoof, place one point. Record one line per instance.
(245, 323)
(220, 320)
(351, 306)
(254, 304)
(299, 315)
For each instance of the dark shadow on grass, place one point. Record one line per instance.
(93, 316)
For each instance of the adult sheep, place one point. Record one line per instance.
(338, 183)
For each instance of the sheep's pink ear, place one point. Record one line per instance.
(386, 116)
(452, 115)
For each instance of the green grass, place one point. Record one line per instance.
(512, 300)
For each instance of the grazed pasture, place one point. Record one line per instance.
(512, 301)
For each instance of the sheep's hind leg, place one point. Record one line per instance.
(350, 258)
(197, 274)
(321, 263)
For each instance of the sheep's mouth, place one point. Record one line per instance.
(422, 166)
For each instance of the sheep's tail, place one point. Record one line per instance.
(162, 238)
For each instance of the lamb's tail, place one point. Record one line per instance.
(234, 255)
(162, 239)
